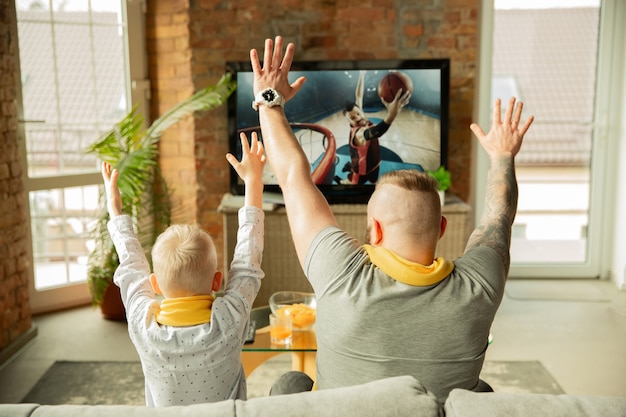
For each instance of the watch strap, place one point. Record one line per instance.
(261, 98)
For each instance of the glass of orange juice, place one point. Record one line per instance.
(281, 329)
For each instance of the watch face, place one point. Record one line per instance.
(269, 95)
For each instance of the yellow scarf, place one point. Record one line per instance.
(408, 272)
(185, 311)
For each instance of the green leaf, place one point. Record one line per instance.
(443, 177)
(205, 99)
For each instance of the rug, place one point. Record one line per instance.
(103, 383)
(503, 376)
(519, 376)
(92, 383)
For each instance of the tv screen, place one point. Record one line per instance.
(345, 160)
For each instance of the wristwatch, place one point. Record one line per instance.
(268, 97)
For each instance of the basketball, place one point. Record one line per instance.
(393, 81)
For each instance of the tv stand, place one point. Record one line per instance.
(280, 263)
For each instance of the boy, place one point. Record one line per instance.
(190, 344)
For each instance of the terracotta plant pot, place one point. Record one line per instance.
(112, 307)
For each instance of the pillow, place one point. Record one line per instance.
(401, 396)
(464, 403)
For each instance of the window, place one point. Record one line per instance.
(553, 54)
(75, 78)
(552, 69)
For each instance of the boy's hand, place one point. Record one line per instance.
(114, 198)
(250, 169)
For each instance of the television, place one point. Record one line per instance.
(416, 139)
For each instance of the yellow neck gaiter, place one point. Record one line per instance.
(408, 272)
(185, 311)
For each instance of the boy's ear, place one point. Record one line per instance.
(155, 284)
(217, 281)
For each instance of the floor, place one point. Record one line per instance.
(576, 328)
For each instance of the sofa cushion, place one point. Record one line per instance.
(17, 410)
(218, 409)
(396, 396)
(464, 403)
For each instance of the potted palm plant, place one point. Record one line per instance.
(134, 152)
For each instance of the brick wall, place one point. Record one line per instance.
(191, 40)
(15, 317)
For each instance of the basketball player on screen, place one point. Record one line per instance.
(364, 147)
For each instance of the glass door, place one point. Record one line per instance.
(75, 85)
(548, 54)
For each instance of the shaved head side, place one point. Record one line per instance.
(407, 202)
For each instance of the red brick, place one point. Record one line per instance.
(413, 30)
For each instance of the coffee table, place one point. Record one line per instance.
(303, 347)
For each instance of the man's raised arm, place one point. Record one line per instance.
(502, 144)
(308, 211)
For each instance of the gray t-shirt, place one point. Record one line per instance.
(370, 326)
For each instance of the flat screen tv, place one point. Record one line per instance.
(416, 139)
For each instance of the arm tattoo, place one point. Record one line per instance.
(494, 229)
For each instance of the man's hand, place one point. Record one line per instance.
(504, 138)
(275, 69)
(114, 198)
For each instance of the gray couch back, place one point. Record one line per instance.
(398, 396)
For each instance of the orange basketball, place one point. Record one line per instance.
(393, 81)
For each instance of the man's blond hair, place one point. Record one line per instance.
(409, 179)
(184, 260)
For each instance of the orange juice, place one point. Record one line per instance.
(280, 329)
(280, 332)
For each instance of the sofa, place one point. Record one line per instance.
(397, 396)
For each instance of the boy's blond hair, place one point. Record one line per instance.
(185, 261)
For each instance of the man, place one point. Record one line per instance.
(365, 160)
(390, 308)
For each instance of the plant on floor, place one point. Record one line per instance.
(134, 152)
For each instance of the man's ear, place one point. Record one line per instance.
(155, 284)
(442, 226)
(376, 232)
(217, 281)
